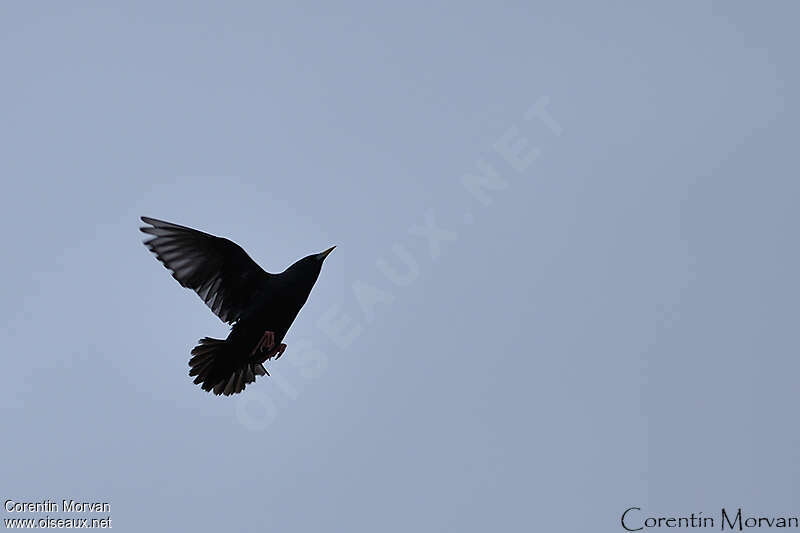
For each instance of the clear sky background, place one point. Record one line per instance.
(611, 322)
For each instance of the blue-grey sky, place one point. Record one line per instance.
(607, 320)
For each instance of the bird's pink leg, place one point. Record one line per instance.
(276, 352)
(266, 343)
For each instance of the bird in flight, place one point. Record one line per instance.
(260, 306)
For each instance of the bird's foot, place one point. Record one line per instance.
(276, 352)
(266, 343)
(280, 350)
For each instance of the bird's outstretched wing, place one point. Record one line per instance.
(218, 270)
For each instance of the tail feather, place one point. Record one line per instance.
(219, 371)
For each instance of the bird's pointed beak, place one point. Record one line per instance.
(324, 254)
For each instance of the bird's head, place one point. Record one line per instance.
(310, 264)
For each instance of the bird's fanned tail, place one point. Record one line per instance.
(216, 370)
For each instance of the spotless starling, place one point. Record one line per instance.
(260, 306)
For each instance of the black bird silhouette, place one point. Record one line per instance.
(260, 306)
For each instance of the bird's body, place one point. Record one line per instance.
(260, 306)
